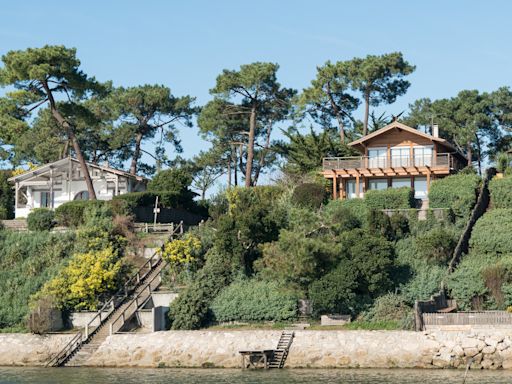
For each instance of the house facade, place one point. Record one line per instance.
(54, 184)
(392, 157)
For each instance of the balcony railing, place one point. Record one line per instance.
(441, 160)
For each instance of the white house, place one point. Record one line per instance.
(54, 184)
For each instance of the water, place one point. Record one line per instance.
(220, 376)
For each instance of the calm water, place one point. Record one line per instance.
(206, 376)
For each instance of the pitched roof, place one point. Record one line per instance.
(61, 162)
(398, 125)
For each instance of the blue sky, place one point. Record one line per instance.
(454, 44)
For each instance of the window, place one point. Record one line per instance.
(351, 189)
(400, 156)
(377, 157)
(423, 156)
(46, 200)
(377, 184)
(420, 188)
(399, 182)
(83, 195)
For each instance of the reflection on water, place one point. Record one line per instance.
(285, 376)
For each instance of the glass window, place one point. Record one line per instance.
(400, 156)
(83, 195)
(423, 156)
(399, 182)
(351, 189)
(46, 201)
(420, 188)
(377, 184)
(377, 157)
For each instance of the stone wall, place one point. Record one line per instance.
(315, 349)
(28, 349)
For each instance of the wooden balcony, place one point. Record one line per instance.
(440, 164)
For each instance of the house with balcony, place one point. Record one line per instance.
(54, 184)
(392, 157)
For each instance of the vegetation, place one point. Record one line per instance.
(391, 198)
(457, 192)
(6, 197)
(40, 219)
(501, 192)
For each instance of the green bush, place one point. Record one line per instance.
(71, 214)
(391, 198)
(346, 214)
(41, 219)
(165, 199)
(253, 300)
(310, 195)
(6, 196)
(458, 192)
(501, 192)
(388, 307)
(492, 232)
(437, 245)
(27, 261)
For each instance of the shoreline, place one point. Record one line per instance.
(489, 349)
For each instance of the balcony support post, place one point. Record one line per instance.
(428, 180)
(334, 186)
(357, 185)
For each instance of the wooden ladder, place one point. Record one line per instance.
(281, 352)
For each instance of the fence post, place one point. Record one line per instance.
(181, 227)
(86, 331)
(111, 328)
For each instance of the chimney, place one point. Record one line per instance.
(435, 130)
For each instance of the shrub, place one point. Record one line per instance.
(40, 219)
(345, 217)
(457, 192)
(309, 195)
(27, 261)
(357, 208)
(491, 233)
(40, 319)
(388, 307)
(392, 227)
(172, 185)
(501, 192)
(71, 214)
(88, 275)
(252, 300)
(6, 196)
(391, 198)
(437, 244)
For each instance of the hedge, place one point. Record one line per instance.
(40, 219)
(391, 198)
(310, 195)
(501, 192)
(165, 199)
(458, 192)
(252, 300)
(492, 232)
(71, 214)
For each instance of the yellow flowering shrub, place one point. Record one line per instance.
(181, 251)
(80, 284)
(21, 171)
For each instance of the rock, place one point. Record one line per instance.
(458, 351)
(489, 350)
(486, 363)
(470, 352)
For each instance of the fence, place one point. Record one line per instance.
(436, 303)
(487, 318)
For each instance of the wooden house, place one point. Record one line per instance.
(54, 184)
(392, 157)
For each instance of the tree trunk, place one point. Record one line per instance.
(229, 172)
(337, 112)
(250, 146)
(136, 154)
(263, 153)
(74, 142)
(469, 154)
(366, 112)
(479, 155)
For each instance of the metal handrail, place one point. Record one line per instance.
(134, 300)
(355, 162)
(70, 346)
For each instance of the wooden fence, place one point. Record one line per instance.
(487, 318)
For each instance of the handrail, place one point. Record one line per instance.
(134, 300)
(126, 289)
(70, 346)
(393, 161)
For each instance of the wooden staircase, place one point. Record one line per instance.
(281, 352)
(114, 314)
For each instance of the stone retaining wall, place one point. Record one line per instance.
(315, 349)
(31, 350)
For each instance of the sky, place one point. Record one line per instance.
(184, 45)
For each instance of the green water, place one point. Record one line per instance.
(285, 376)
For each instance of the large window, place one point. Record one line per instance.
(351, 189)
(400, 157)
(377, 184)
(423, 156)
(377, 157)
(83, 195)
(46, 199)
(399, 182)
(420, 188)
